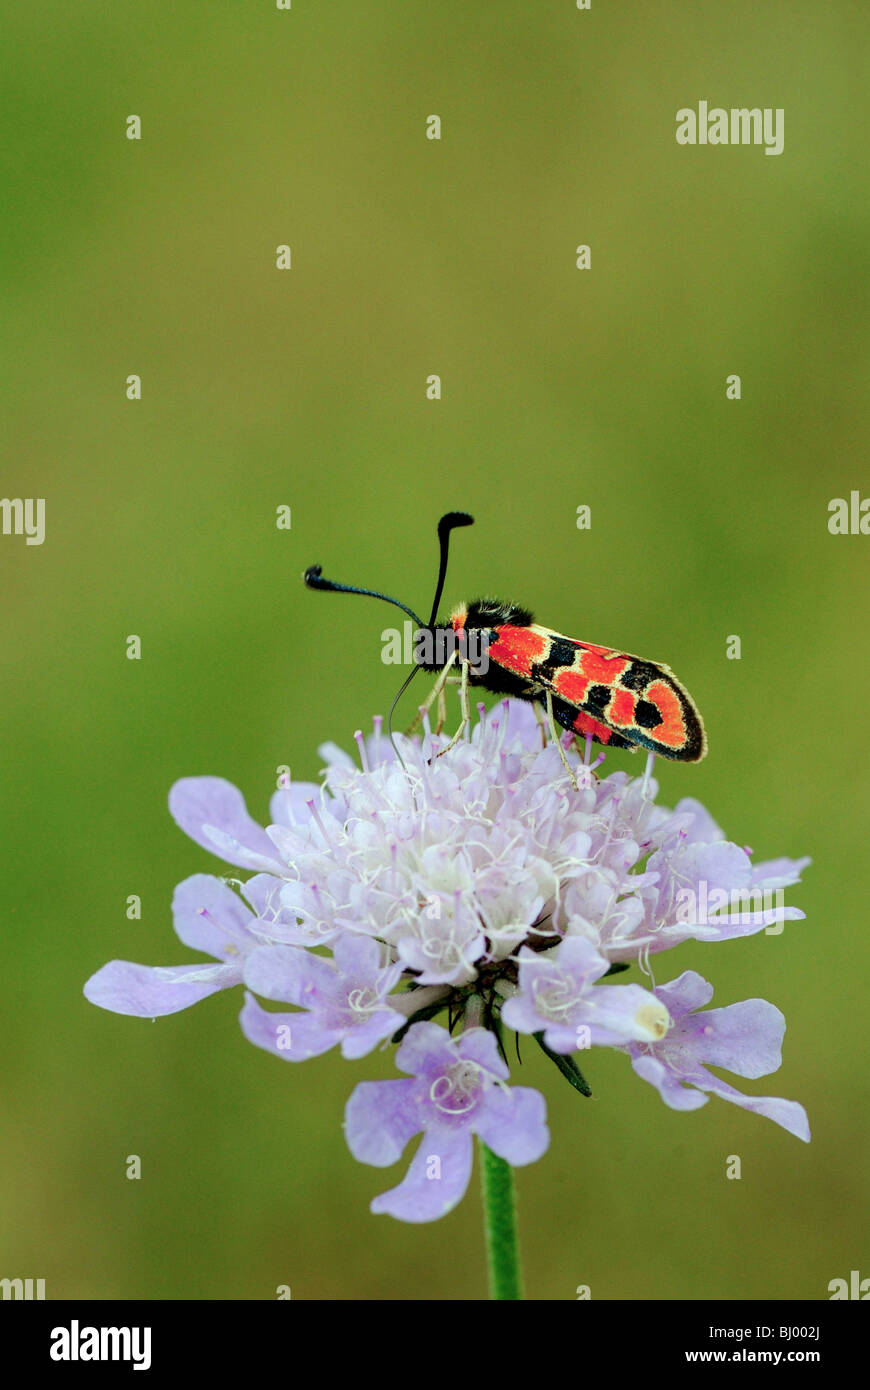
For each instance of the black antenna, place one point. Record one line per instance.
(313, 577)
(445, 526)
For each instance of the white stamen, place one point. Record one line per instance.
(460, 1083)
(361, 745)
(318, 820)
(647, 773)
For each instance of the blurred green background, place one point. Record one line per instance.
(307, 388)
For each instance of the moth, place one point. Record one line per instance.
(597, 693)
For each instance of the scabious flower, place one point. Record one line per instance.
(458, 1089)
(744, 1038)
(209, 917)
(556, 995)
(343, 999)
(484, 886)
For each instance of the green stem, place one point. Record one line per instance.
(500, 1225)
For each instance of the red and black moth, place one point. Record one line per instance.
(611, 697)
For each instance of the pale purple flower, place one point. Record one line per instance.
(208, 916)
(344, 999)
(213, 813)
(481, 882)
(744, 1038)
(557, 994)
(457, 1088)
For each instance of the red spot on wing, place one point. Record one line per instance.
(516, 648)
(620, 711)
(591, 667)
(585, 724)
(571, 685)
(601, 670)
(672, 730)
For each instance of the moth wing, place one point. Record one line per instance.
(640, 702)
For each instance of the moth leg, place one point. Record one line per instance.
(436, 693)
(556, 737)
(441, 707)
(465, 706)
(442, 702)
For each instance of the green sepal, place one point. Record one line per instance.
(427, 1012)
(567, 1066)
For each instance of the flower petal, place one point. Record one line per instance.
(151, 991)
(290, 975)
(213, 813)
(787, 1113)
(669, 1086)
(288, 806)
(292, 1037)
(379, 1119)
(208, 916)
(778, 873)
(514, 1124)
(745, 1038)
(436, 1180)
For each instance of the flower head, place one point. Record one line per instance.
(472, 879)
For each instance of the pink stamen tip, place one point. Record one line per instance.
(317, 818)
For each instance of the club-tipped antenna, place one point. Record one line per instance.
(445, 526)
(313, 577)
